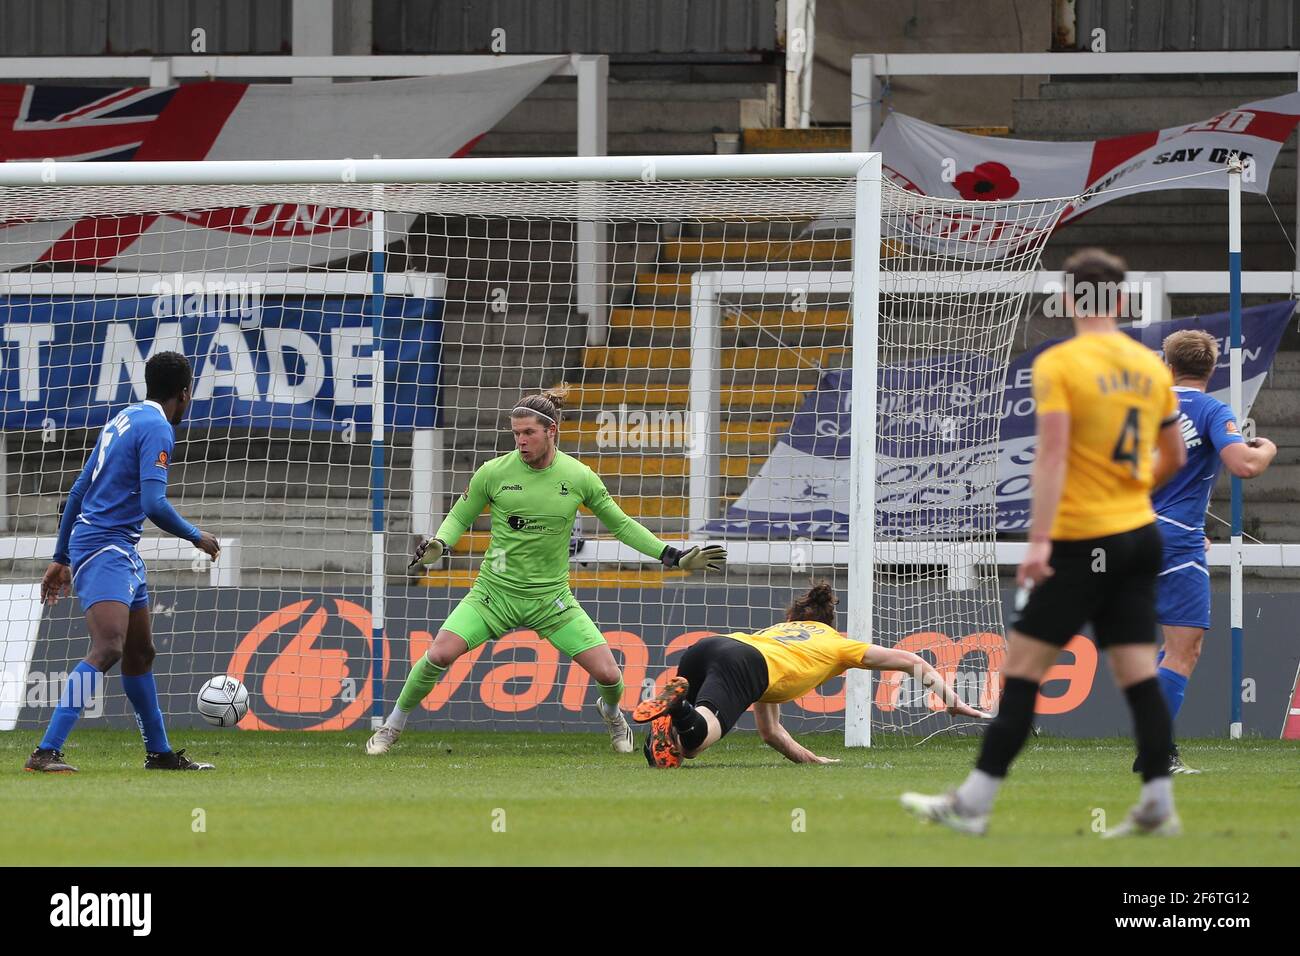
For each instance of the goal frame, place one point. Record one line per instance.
(862, 170)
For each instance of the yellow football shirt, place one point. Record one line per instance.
(801, 655)
(1118, 395)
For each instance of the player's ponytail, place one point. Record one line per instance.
(816, 604)
(547, 405)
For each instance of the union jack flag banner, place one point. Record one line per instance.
(395, 119)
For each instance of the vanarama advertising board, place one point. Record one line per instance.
(308, 659)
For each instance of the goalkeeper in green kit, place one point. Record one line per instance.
(534, 493)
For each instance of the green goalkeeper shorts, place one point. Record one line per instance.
(485, 613)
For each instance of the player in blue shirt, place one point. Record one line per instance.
(123, 482)
(1210, 432)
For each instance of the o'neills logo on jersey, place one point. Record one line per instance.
(319, 672)
(512, 487)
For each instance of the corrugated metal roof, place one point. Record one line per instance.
(1152, 25)
(123, 27)
(94, 27)
(576, 26)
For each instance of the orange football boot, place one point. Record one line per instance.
(673, 691)
(662, 748)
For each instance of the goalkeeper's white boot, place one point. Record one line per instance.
(620, 734)
(382, 739)
(944, 809)
(1145, 821)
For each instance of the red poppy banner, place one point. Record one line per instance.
(939, 162)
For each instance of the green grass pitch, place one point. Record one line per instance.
(466, 797)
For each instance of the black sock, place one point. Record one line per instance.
(1006, 735)
(689, 723)
(1152, 727)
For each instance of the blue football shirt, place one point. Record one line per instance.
(1207, 426)
(135, 447)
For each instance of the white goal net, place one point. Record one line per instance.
(358, 347)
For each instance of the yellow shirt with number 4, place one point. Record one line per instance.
(1118, 394)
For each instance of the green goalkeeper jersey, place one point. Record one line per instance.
(532, 520)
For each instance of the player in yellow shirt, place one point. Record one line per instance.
(720, 677)
(1105, 403)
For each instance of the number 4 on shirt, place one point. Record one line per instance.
(1126, 446)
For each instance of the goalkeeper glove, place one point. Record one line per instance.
(711, 557)
(429, 551)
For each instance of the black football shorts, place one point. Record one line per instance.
(1110, 582)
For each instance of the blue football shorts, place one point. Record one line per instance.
(112, 572)
(1183, 589)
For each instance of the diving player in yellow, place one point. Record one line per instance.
(720, 677)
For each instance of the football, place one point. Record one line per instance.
(223, 701)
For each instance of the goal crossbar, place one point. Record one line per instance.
(468, 170)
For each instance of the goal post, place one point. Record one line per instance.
(862, 442)
(797, 358)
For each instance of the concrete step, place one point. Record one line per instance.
(1287, 439)
(1236, 90)
(748, 378)
(759, 250)
(564, 143)
(274, 480)
(782, 397)
(739, 366)
(636, 430)
(643, 115)
(618, 358)
(1189, 248)
(666, 486)
(740, 230)
(565, 88)
(491, 373)
(781, 140)
(1275, 408)
(1285, 372)
(774, 320)
(1277, 521)
(642, 506)
(657, 463)
(1280, 483)
(1098, 115)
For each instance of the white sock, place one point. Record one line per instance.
(397, 719)
(1158, 794)
(977, 794)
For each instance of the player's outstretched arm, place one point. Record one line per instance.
(159, 510)
(635, 535)
(892, 659)
(768, 719)
(461, 517)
